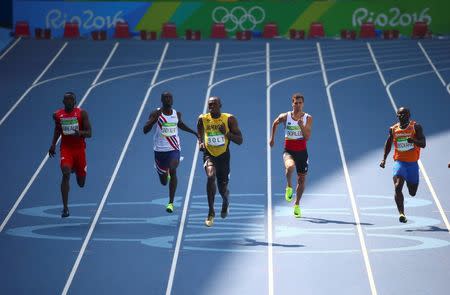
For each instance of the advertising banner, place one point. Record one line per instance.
(90, 16)
(238, 15)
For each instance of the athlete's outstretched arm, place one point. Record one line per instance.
(183, 126)
(280, 119)
(419, 140)
(235, 134)
(87, 130)
(387, 148)
(56, 134)
(152, 119)
(201, 134)
(306, 129)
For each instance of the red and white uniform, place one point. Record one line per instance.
(293, 136)
(73, 148)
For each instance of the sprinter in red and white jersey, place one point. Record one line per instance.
(297, 131)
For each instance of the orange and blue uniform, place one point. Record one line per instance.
(406, 154)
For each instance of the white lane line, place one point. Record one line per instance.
(10, 47)
(347, 178)
(431, 63)
(376, 64)
(269, 176)
(32, 85)
(189, 188)
(422, 167)
(38, 170)
(113, 177)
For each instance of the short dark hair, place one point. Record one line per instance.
(166, 94)
(70, 94)
(297, 96)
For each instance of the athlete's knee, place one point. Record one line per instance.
(301, 177)
(223, 189)
(174, 164)
(290, 166)
(211, 177)
(412, 190)
(210, 172)
(65, 176)
(162, 179)
(398, 189)
(66, 170)
(81, 180)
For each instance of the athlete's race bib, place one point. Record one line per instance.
(403, 145)
(216, 139)
(69, 125)
(294, 132)
(169, 129)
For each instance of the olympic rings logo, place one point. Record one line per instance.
(238, 17)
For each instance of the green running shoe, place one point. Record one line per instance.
(288, 194)
(402, 218)
(169, 208)
(297, 211)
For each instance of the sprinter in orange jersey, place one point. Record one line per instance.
(408, 139)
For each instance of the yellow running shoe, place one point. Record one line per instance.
(169, 208)
(209, 221)
(402, 218)
(288, 194)
(297, 211)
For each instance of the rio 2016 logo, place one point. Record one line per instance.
(393, 18)
(56, 19)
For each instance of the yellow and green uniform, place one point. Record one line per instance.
(215, 141)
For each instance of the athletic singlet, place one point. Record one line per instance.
(293, 136)
(166, 136)
(405, 151)
(67, 124)
(215, 141)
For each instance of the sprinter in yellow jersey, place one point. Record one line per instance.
(216, 130)
(408, 139)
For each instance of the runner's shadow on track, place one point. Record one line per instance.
(327, 221)
(252, 242)
(429, 229)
